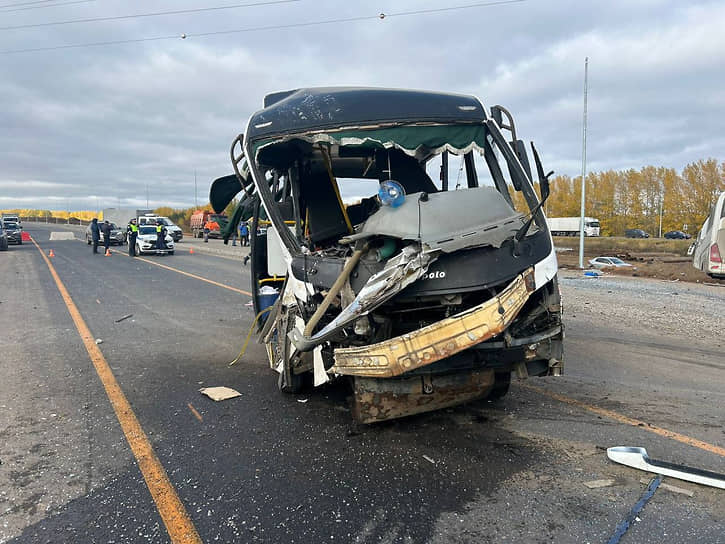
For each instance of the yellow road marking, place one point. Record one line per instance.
(174, 515)
(197, 415)
(712, 448)
(240, 291)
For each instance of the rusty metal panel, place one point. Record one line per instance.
(380, 400)
(397, 355)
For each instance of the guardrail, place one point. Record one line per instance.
(55, 220)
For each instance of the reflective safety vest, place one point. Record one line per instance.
(133, 227)
(158, 229)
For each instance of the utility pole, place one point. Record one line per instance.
(662, 198)
(584, 166)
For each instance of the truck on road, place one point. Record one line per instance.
(121, 216)
(199, 219)
(569, 226)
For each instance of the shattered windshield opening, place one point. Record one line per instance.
(336, 178)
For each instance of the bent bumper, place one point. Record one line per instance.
(447, 337)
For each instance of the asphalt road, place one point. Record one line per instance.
(267, 467)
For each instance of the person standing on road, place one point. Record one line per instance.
(132, 234)
(159, 236)
(106, 228)
(95, 234)
(210, 225)
(244, 233)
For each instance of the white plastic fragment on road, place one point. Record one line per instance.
(220, 393)
(55, 235)
(596, 484)
(636, 457)
(302, 400)
(99, 341)
(429, 459)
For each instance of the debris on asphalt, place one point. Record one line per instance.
(302, 400)
(637, 458)
(670, 487)
(429, 459)
(596, 484)
(99, 341)
(592, 273)
(220, 393)
(124, 317)
(98, 301)
(194, 411)
(62, 235)
(636, 509)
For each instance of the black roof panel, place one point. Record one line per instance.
(327, 107)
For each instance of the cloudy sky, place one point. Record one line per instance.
(95, 126)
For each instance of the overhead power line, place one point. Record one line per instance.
(3, 9)
(155, 14)
(27, 3)
(380, 16)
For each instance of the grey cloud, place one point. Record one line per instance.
(107, 121)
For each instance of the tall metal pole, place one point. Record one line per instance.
(584, 166)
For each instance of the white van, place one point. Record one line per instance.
(709, 247)
(151, 219)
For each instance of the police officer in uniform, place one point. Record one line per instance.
(160, 235)
(132, 234)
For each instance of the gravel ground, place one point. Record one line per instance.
(652, 306)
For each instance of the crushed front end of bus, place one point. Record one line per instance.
(423, 294)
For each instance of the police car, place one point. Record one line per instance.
(146, 242)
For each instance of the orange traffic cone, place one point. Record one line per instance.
(51, 253)
(191, 251)
(108, 253)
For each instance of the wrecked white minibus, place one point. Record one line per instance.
(425, 293)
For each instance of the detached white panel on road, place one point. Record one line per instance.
(62, 236)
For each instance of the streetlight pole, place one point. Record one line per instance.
(584, 166)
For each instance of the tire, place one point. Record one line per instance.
(288, 381)
(501, 386)
(296, 382)
(138, 250)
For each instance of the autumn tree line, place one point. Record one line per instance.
(629, 199)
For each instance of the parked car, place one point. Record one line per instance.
(10, 218)
(146, 242)
(709, 247)
(3, 239)
(608, 262)
(118, 235)
(677, 235)
(636, 233)
(14, 233)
